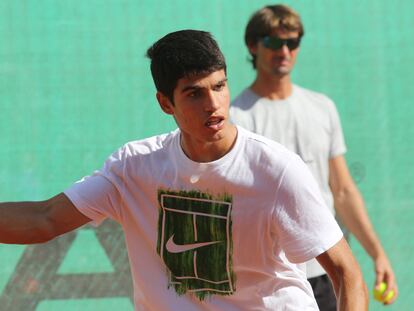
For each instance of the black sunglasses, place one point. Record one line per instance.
(275, 43)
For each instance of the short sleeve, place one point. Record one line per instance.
(95, 197)
(304, 225)
(99, 196)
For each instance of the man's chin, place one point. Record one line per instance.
(224, 133)
(282, 71)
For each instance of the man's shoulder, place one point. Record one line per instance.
(312, 96)
(263, 146)
(257, 138)
(245, 108)
(269, 157)
(147, 145)
(244, 100)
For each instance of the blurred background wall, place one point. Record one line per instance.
(75, 85)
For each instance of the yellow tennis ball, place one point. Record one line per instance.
(378, 292)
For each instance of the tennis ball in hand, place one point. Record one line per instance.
(379, 291)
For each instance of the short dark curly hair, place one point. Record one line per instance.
(181, 54)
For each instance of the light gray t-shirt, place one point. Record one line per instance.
(307, 123)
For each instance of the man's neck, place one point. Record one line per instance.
(272, 87)
(202, 151)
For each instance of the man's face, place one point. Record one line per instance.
(276, 62)
(201, 105)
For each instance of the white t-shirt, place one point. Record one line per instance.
(217, 235)
(307, 123)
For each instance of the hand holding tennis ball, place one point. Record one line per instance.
(380, 290)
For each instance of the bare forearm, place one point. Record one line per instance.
(351, 209)
(37, 222)
(350, 206)
(23, 223)
(352, 294)
(346, 277)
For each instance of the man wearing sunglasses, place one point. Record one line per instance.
(307, 123)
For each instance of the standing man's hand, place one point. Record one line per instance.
(384, 273)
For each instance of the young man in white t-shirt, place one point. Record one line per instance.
(215, 217)
(307, 123)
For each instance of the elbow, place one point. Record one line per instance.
(345, 194)
(341, 194)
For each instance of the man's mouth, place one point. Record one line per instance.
(282, 60)
(215, 123)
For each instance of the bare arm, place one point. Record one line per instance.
(37, 222)
(345, 274)
(351, 209)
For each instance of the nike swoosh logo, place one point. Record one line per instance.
(176, 248)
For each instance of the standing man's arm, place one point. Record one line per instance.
(350, 207)
(38, 222)
(345, 274)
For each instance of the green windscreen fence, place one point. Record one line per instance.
(75, 85)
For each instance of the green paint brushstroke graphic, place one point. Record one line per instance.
(186, 219)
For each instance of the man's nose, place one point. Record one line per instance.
(212, 102)
(284, 50)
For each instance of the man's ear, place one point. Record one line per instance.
(252, 48)
(165, 103)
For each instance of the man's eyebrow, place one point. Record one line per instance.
(222, 81)
(190, 88)
(194, 87)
